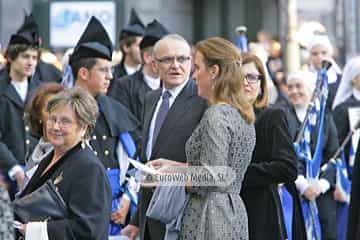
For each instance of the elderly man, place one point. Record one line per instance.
(167, 124)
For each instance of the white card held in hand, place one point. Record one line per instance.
(143, 167)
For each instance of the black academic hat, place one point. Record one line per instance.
(27, 34)
(135, 26)
(154, 31)
(94, 42)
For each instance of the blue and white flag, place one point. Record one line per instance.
(343, 184)
(313, 161)
(242, 43)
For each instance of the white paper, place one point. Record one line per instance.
(143, 167)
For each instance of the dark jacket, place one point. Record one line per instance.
(83, 184)
(130, 91)
(16, 143)
(170, 144)
(274, 161)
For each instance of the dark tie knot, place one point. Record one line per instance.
(166, 95)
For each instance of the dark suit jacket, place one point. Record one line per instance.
(181, 120)
(16, 143)
(130, 91)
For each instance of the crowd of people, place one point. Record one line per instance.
(67, 139)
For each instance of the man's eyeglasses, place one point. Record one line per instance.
(62, 122)
(252, 78)
(170, 60)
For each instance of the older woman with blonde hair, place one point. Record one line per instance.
(75, 171)
(224, 137)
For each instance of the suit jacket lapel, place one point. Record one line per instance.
(179, 107)
(149, 112)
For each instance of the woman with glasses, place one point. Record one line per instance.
(273, 164)
(75, 171)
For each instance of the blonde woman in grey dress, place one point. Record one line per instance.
(225, 136)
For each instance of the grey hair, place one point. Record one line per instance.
(81, 102)
(170, 37)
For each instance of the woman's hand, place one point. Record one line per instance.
(22, 229)
(164, 165)
(312, 192)
(119, 216)
(339, 196)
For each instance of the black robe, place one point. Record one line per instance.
(113, 120)
(273, 162)
(83, 184)
(341, 118)
(325, 202)
(118, 72)
(46, 72)
(353, 227)
(130, 91)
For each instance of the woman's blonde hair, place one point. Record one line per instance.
(229, 85)
(262, 100)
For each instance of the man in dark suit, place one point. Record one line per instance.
(167, 139)
(131, 90)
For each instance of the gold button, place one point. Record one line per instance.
(94, 137)
(95, 152)
(104, 137)
(106, 152)
(27, 128)
(27, 141)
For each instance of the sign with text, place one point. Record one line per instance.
(69, 19)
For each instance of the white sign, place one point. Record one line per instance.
(69, 19)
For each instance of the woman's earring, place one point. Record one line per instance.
(83, 144)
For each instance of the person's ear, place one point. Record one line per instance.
(147, 57)
(214, 71)
(126, 49)
(83, 73)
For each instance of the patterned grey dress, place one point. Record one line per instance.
(222, 138)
